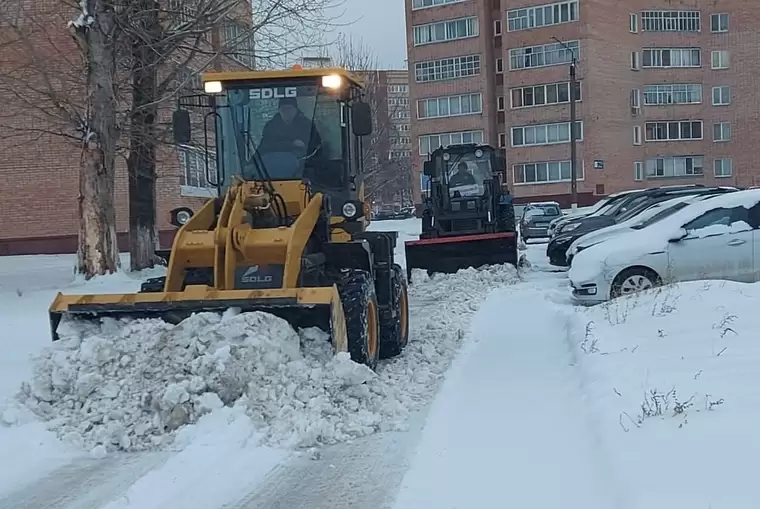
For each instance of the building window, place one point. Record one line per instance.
(723, 167)
(447, 68)
(542, 95)
(423, 4)
(635, 63)
(721, 96)
(544, 172)
(637, 135)
(543, 56)
(544, 134)
(450, 106)
(722, 131)
(443, 31)
(497, 27)
(430, 142)
(633, 23)
(672, 57)
(192, 166)
(542, 15)
(500, 103)
(670, 21)
(638, 171)
(636, 100)
(675, 93)
(398, 89)
(238, 41)
(719, 23)
(720, 59)
(499, 65)
(674, 131)
(680, 166)
(502, 140)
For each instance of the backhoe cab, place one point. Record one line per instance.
(287, 231)
(468, 217)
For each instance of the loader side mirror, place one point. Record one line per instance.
(501, 164)
(181, 126)
(428, 168)
(361, 119)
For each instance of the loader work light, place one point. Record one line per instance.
(349, 210)
(212, 87)
(332, 81)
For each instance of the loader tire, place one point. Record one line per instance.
(357, 295)
(394, 321)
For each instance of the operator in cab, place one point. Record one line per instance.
(290, 131)
(462, 177)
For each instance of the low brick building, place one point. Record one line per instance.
(39, 181)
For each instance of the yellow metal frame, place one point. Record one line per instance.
(281, 74)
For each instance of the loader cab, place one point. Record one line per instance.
(298, 125)
(464, 170)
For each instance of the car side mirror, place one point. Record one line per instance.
(678, 236)
(181, 127)
(361, 119)
(428, 168)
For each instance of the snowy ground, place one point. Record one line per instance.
(647, 402)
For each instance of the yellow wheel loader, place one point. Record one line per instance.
(287, 230)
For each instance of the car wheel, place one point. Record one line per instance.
(634, 280)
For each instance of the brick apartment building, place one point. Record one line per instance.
(39, 180)
(668, 90)
(394, 145)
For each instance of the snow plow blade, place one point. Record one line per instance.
(301, 307)
(449, 254)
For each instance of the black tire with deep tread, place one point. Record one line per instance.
(357, 291)
(393, 337)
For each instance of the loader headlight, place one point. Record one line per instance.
(478, 153)
(333, 81)
(212, 87)
(180, 216)
(349, 210)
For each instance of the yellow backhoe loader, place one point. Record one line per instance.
(287, 232)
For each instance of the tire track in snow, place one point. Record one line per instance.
(85, 483)
(364, 474)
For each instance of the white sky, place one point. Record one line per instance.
(380, 25)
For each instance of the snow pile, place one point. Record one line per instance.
(132, 384)
(672, 375)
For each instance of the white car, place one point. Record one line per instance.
(717, 238)
(651, 215)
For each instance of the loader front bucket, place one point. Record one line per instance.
(301, 307)
(449, 254)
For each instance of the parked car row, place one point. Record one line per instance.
(640, 239)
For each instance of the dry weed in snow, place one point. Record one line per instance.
(131, 384)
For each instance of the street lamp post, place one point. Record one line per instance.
(573, 133)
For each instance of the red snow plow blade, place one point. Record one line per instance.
(449, 254)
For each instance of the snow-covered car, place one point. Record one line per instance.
(647, 217)
(716, 238)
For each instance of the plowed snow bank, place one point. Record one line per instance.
(132, 384)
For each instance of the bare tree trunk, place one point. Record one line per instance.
(98, 251)
(141, 164)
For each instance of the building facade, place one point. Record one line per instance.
(665, 92)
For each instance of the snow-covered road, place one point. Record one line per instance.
(507, 396)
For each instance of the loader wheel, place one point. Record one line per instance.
(394, 321)
(357, 294)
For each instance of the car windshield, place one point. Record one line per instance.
(465, 174)
(633, 212)
(624, 205)
(547, 209)
(661, 215)
(285, 132)
(600, 205)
